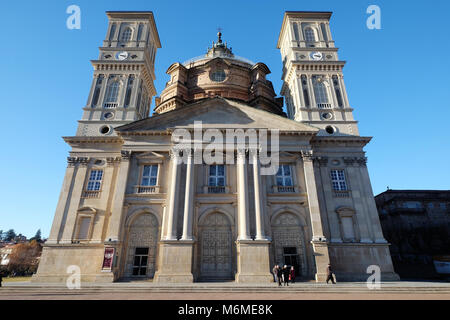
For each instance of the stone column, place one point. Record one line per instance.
(259, 204)
(134, 91)
(333, 92)
(63, 198)
(115, 222)
(319, 242)
(123, 91)
(77, 192)
(91, 92)
(299, 89)
(343, 91)
(172, 196)
(189, 198)
(101, 98)
(311, 92)
(253, 265)
(372, 210)
(175, 256)
(357, 191)
(242, 184)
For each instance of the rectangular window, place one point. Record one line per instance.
(338, 180)
(150, 175)
(284, 177)
(95, 180)
(85, 223)
(216, 176)
(347, 226)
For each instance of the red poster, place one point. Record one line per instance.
(108, 259)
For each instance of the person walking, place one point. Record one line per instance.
(275, 273)
(279, 275)
(292, 275)
(330, 274)
(286, 275)
(1, 279)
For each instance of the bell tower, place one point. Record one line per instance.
(313, 82)
(124, 74)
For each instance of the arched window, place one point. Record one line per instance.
(112, 32)
(129, 89)
(320, 90)
(310, 36)
(141, 27)
(98, 87)
(126, 35)
(112, 91)
(296, 36)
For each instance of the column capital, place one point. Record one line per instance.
(71, 161)
(362, 162)
(111, 161)
(349, 161)
(307, 155)
(175, 153)
(83, 161)
(126, 155)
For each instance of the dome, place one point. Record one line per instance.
(218, 73)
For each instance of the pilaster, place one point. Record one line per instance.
(80, 176)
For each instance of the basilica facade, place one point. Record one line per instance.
(134, 206)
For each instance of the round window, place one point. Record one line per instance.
(104, 130)
(218, 76)
(330, 130)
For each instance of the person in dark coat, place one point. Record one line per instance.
(292, 275)
(1, 279)
(279, 275)
(330, 274)
(275, 273)
(286, 275)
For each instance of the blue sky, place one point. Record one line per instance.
(397, 78)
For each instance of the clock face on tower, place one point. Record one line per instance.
(121, 55)
(316, 56)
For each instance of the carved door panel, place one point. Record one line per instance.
(215, 261)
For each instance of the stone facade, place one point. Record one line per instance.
(181, 221)
(417, 224)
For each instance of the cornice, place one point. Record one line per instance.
(322, 140)
(99, 139)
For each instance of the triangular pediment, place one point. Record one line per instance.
(218, 113)
(150, 156)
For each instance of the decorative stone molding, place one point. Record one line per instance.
(71, 161)
(349, 161)
(74, 161)
(323, 161)
(84, 161)
(113, 161)
(362, 162)
(126, 155)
